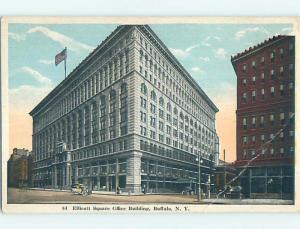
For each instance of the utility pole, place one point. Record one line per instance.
(199, 177)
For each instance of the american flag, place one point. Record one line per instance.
(61, 56)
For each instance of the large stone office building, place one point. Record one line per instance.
(265, 117)
(128, 116)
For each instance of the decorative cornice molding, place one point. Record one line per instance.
(253, 49)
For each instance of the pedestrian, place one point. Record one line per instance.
(118, 190)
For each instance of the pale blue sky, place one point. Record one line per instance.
(204, 50)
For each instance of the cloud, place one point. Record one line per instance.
(217, 38)
(183, 53)
(220, 53)
(240, 34)
(62, 39)
(16, 36)
(25, 97)
(36, 75)
(197, 70)
(287, 30)
(205, 59)
(48, 62)
(206, 44)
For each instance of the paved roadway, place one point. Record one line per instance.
(19, 196)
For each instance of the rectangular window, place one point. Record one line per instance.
(244, 97)
(272, 119)
(244, 123)
(152, 121)
(262, 76)
(272, 74)
(244, 139)
(272, 91)
(263, 93)
(253, 96)
(281, 90)
(143, 103)
(253, 122)
(143, 117)
(282, 120)
(262, 121)
(244, 82)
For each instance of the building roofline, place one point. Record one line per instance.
(173, 59)
(76, 70)
(146, 29)
(253, 49)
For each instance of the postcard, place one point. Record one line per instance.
(149, 114)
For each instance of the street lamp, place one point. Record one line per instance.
(198, 158)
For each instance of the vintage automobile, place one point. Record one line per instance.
(234, 192)
(80, 189)
(187, 191)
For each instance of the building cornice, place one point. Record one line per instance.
(109, 39)
(166, 52)
(79, 69)
(254, 49)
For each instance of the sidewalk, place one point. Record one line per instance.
(104, 192)
(248, 201)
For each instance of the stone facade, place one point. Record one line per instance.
(128, 116)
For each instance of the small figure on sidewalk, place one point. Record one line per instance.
(118, 190)
(144, 189)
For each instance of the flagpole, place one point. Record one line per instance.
(66, 64)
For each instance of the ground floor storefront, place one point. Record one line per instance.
(268, 182)
(133, 172)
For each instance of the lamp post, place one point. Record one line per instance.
(198, 158)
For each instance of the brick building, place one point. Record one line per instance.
(265, 105)
(19, 168)
(128, 116)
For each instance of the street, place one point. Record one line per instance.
(26, 196)
(29, 196)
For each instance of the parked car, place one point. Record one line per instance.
(80, 189)
(187, 191)
(234, 192)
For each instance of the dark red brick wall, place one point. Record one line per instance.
(276, 105)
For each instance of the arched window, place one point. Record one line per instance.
(141, 55)
(124, 88)
(112, 94)
(181, 115)
(103, 100)
(186, 118)
(144, 88)
(153, 95)
(161, 101)
(169, 106)
(175, 110)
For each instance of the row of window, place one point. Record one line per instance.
(262, 120)
(273, 93)
(249, 153)
(272, 56)
(103, 78)
(253, 79)
(252, 139)
(143, 103)
(183, 93)
(172, 152)
(102, 149)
